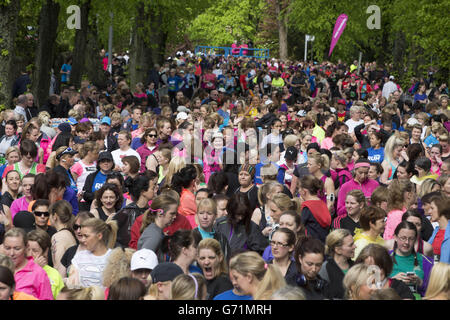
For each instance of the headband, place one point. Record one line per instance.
(362, 165)
(248, 168)
(160, 211)
(196, 284)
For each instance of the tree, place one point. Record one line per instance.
(9, 14)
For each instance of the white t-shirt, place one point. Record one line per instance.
(119, 154)
(90, 267)
(352, 124)
(83, 170)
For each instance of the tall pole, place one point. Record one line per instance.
(110, 40)
(306, 46)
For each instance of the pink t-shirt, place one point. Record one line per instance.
(18, 205)
(32, 279)
(394, 217)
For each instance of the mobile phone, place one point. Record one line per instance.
(409, 274)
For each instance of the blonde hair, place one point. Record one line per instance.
(214, 245)
(208, 204)
(392, 143)
(117, 266)
(290, 140)
(176, 164)
(322, 160)
(439, 281)
(335, 239)
(356, 277)
(285, 203)
(269, 276)
(11, 150)
(44, 117)
(107, 229)
(184, 287)
(7, 262)
(265, 189)
(89, 293)
(86, 147)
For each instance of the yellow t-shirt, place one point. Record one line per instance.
(362, 240)
(56, 280)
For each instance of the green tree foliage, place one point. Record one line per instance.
(226, 21)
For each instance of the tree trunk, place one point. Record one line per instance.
(48, 25)
(282, 29)
(9, 16)
(94, 67)
(79, 51)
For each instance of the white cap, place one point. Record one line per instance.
(182, 116)
(222, 90)
(301, 113)
(391, 78)
(268, 102)
(412, 121)
(144, 259)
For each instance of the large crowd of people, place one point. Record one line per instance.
(228, 178)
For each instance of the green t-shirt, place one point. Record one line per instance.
(56, 280)
(406, 264)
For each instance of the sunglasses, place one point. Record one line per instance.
(76, 226)
(152, 135)
(41, 213)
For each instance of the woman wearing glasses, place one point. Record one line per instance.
(149, 146)
(282, 244)
(65, 158)
(409, 266)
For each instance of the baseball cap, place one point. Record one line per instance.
(222, 90)
(68, 150)
(301, 113)
(78, 140)
(166, 271)
(268, 102)
(72, 121)
(342, 101)
(183, 109)
(391, 78)
(24, 220)
(291, 153)
(106, 120)
(144, 259)
(65, 127)
(105, 155)
(412, 121)
(182, 116)
(313, 145)
(84, 120)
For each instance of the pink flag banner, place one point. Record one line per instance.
(339, 27)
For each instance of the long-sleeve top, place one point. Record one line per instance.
(366, 187)
(33, 280)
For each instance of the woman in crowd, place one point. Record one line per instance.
(109, 201)
(377, 255)
(181, 247)
(66, 259)
(409, 266)
(254, 277)
(261, 215)
(124, 141)
(39, 244)
(26, 165)
(130, 167)
(12, 156)
(149, 146)
(309, 256)
(392, 157)
(314, 212)
(160, 215)
(127, 288)
(372, 222)
(142, 190)
(29, 277)
(282, 245)
(62, 219)
(31, 132)
(162, 277)
(8, 285)
(95, 180)
(11, 194)
(242, 233)
(354, 203)
(206, 216)
(214, 267)
(316, 164)
(185, 182)
(98, 237)
(376, 151)
(340, 249)
(338, 169)
(357, 283)
(439, 210)
(10, 138)
(65, 159)
(278, 204)
(401, 196)
(420, 246)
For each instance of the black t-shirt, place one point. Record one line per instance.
(346, 223)
(67, 257)
(252, 195)
(7, 199)
(218, 285)
(402, 289)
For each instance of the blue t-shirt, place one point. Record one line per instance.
(65, 68)
(230, 295)
(430, 140)
(174, 83)
(136, 143)
(258, 179)
(418, 97)
(376, 155)
(99, 181)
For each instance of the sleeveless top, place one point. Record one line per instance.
(32, 170)
(391, 171)
(263, 221)
(101, 214)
